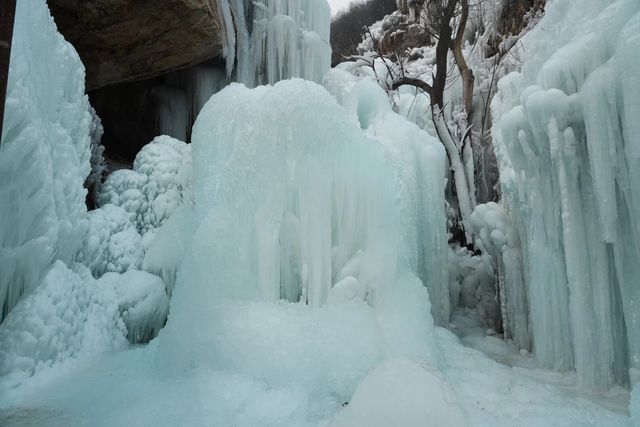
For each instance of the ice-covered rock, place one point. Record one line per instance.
(44, 155)
(142, 300)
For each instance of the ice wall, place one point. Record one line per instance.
(566, 135)
(44, 155)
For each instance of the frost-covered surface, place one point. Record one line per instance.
(142, 300)
(44, 156)
(68, 317)
(112, 243)
(566, 136)
(154, 188)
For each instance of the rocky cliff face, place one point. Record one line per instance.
(128, 40)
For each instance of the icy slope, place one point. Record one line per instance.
(44, 156)
(566, 136)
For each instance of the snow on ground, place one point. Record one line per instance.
(125, 389)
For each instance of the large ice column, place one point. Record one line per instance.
(286, 207)
(44, 156)
(566, 137)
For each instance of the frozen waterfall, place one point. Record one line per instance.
(301, 212)
(264, 42)
(566, 136)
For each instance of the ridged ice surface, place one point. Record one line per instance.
(44, 156)
(567, 138)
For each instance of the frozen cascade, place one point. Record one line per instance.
(265, 41)
(566, 136)
(44, 156)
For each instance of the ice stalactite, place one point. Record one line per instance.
(566, 137)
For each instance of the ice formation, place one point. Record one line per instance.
(154, 188)
(634, 406)
(265, 41)
(289, 212)
(402, 392)
(418, 161)
(566, 134)
(44, 155)
(142, 301)
(67, 317)
(500, 247)
(112, 243)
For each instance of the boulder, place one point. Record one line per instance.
(129, 40)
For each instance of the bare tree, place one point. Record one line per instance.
(440, 18)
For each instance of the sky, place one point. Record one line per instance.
(337, 5)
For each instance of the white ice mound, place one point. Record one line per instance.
(142, 301)
(290, 197)
(44, 155)
(67, 317)
(154, 188)
(402, 392)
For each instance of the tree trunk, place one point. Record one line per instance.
(7, 16)
(468, 81)
(458, 168)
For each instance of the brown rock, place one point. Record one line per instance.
(403, 37)
(128, 40)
